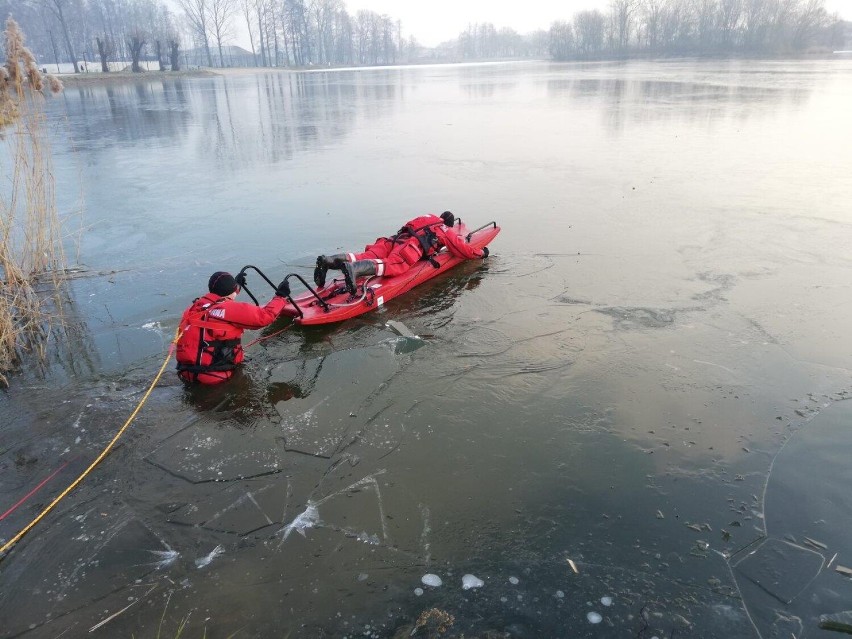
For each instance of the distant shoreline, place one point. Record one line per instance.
(98, 77)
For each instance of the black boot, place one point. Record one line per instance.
(353, 270)
(324, 263)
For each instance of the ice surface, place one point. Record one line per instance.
(431, 580)
(513, 581)
(239, 508)
(418, 591)
(594, 617)
(606, 601)
(318, 418)
(207, 452)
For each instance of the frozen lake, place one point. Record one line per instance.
(630, 420)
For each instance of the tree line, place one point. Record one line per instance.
(697, 27)
(667, 27)
(321, 32)
(281, 32)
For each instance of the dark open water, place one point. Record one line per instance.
(647, 377)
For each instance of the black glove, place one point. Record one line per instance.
(484, 252)
(283, 289)
(241, 280)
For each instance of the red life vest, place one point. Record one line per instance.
(206, 345)
(419, 234)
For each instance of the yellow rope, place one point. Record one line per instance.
(97, 461)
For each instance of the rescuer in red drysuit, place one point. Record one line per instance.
(418, 239)
(209, 348)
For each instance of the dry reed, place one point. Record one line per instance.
(32, 259)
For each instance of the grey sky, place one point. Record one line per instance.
(434, 21)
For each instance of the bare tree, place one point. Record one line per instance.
(589, 30)
(705, 22)
(297, 25)
(266, 24)
(248, 8)
(809, 18)
(730, 17)
(561, 40)
(59, 9)
(323, 12)
(219, 18)
(363, 29)
(106, 49)
(756, 20)
(652, 11)
(196, 12)
(136, 43)
(174, 50)
(622, 18)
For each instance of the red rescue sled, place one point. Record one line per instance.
(333, 303)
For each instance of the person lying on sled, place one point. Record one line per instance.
(418, 239)
(208, 347)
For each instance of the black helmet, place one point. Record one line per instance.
(449, 218)
(222, 284)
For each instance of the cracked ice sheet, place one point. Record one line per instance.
(88, 562)
(241, 508)
(208, 452)
(343, 388)
(807, 495)
(357, 511)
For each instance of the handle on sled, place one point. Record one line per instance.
(484, 226)
(321, 301)
(241, 280)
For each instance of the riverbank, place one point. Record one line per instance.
(127, 76)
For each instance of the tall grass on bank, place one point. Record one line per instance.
(32, 260)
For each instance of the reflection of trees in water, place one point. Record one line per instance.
(116, 114)
(660, 99)
(272, 117)
(239, 121)
(485, 81)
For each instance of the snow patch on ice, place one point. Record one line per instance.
(471, 581)
(606, 601)
(594, 617)
(431, 580)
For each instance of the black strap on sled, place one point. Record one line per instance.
(426, 237)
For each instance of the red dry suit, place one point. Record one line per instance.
(209, 348)
(418, 239)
